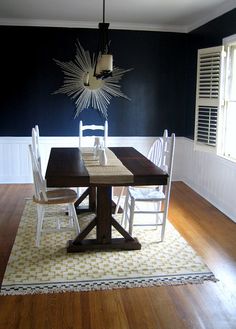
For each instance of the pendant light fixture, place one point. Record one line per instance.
(104, 59)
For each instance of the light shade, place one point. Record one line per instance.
(104, 65)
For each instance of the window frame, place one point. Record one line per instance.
(221, 147)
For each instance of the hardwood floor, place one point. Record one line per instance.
(209, 305)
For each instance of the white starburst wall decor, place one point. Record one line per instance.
(85, 89)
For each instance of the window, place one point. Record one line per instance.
(215, 121)
(228, 112)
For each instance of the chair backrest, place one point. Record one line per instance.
(35, 145)
(168, 160)
(156, 151)
(162, 154)
(167, 165)
(168, 153)
(39, 182)
(94, 128)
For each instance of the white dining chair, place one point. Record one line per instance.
(155, 155)
(97, 130)
(45, 198)
(88, 141)
(157, 196)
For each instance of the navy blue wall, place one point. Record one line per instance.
(161, 86)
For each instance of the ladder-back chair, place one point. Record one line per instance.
(88, 141)
(158, 196)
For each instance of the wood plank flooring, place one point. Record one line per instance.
(203, 306)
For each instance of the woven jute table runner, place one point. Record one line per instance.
(114, 172)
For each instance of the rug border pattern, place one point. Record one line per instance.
(107, 284)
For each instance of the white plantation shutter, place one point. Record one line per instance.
(208, 97)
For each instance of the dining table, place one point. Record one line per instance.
(76, 167)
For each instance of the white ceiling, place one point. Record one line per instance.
(162, 15)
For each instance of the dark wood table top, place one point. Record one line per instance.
(66, 168)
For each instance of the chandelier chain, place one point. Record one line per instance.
(103, 11)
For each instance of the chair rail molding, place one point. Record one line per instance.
(211, 176)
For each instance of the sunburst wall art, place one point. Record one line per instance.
(85, 89)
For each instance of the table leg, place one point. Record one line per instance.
(92, 198)
(104, 216)
(103, 223)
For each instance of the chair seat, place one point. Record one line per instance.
(58, 196)
(146, 193)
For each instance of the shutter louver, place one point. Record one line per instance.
(209, 76)
(208, 96)
(207, 125)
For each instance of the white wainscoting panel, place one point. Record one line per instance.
(15, 164)
(211, 176)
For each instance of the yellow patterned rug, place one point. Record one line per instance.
(50, 268)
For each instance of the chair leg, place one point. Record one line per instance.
(40, 213)
(131, 215)
(158, 208)
(164, 220)
(119, 199)
(75, 218)
(70, 216)
(163, 229)
(125, 211)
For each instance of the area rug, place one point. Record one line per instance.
(50, 268)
